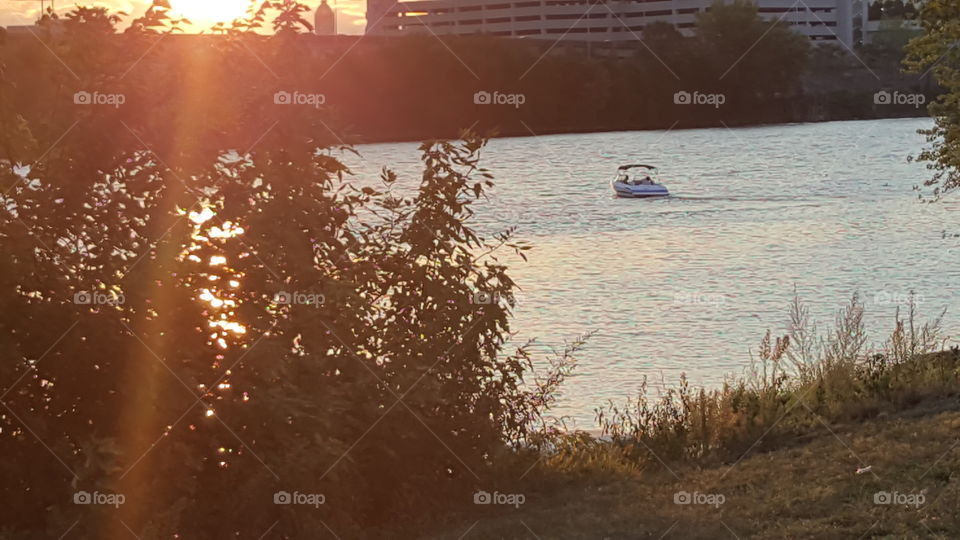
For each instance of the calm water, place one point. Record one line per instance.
(691, 283)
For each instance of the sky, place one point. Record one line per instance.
(15, 12)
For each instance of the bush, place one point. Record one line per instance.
(201, 331)
(289, 333)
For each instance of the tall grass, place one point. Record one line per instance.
(796, 382)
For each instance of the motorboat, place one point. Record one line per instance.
(636, 181)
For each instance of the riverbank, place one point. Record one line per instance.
(880, 468)
(822, 439)
(807, 488)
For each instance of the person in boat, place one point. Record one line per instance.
(637, 181)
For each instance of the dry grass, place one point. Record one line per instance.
(781, 447)
(795, 383)
(808, 488)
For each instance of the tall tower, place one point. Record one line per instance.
(325, 20)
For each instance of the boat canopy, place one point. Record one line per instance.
(638, 165)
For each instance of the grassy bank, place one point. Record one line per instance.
(807, 488)
(823, 438)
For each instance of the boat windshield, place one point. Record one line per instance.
(637, 174)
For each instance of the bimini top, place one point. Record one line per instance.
(625, 167)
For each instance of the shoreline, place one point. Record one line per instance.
(706, 125)
(836, 474)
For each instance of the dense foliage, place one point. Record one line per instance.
(936, 52)
(201, 315)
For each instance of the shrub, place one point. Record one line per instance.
(200, 330)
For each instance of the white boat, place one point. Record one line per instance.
(637, 181)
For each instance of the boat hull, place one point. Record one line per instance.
(643, 191)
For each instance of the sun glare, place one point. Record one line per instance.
(210, 11)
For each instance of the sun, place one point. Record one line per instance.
(210, 11)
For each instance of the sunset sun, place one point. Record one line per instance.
(210, 10)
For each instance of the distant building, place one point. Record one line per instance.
(325, 20)
(45, 27)
(20, 28)
(597, 20)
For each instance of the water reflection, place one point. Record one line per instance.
(692, 282)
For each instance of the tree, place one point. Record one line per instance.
(203, 330)
(936, 52)
(662, 37)
(748, 57)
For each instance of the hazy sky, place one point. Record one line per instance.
(12, 12)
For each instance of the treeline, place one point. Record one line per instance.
(736, 70)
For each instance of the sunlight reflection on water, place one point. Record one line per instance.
(691, 283)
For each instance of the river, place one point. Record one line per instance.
(690, 283)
